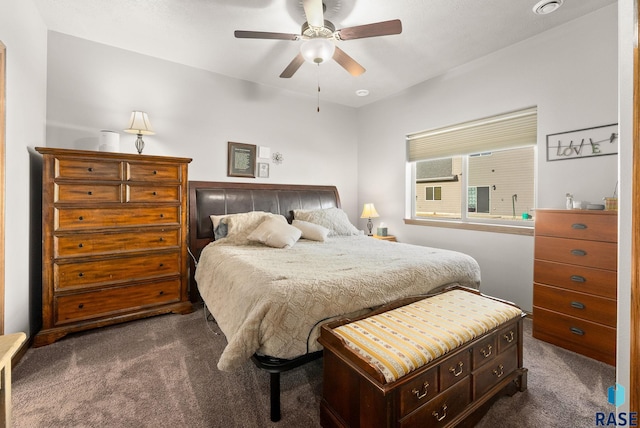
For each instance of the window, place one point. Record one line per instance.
(484, 179)
(433, 193)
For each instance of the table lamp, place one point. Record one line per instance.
(369, 211)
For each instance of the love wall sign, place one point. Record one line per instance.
(583, 143)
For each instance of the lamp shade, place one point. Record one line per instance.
(317, 50)
(369, 211)
(139, 124)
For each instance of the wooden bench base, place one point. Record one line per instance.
(453, 390)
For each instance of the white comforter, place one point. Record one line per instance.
(270, 301)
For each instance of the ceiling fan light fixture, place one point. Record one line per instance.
(318, 50)
(545, 7)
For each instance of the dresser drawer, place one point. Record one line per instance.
(490, 374)
(88, 193)
(579, 305)
(454, 368)
(110, 271)
(596, 226)
(583, 279)
(442, 409)
(87, 169)
(507, 337)
(602, 255)
(151, 193)
(88, 244)
(152, 172)
(86, 218)
(106, 302)
(485, 350)
(593, 340)
(418, 391)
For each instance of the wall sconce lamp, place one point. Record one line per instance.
(369, 211)
(139, 124)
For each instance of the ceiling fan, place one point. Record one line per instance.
(319, 36)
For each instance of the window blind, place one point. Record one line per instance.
(509, 130)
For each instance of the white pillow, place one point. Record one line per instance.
(242, 224)
(275, 233)
(333, 219)
(311, 231)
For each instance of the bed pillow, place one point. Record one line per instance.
(219, 228)
(275, 233)
(311, 231)
(333, 219)
(240, 225)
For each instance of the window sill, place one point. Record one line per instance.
(481, 227)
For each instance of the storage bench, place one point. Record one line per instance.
(421, 362)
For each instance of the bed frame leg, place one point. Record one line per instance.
(275, 397)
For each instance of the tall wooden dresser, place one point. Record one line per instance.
(575, 277)
(114, 239)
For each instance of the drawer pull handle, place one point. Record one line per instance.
(578, 278)
(456, 372)
(499, 371)
(578, 226)
(161, 239)
(154, 193)
(81, 274)
(89, 193)
(90, 169)
(437, 415)
(81, 305)
(420, 395)
(161, 215)
(161, 264)
(577, 305)
(576, 330)
(80, 245)
(80, 218)
(579, 253)
(509, 337)
(161, 293)
(486, 351)
(155, 172)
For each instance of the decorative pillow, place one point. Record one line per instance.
(238, 226)
(333, 219)
(274, 233)
(311, 231)
(219, 228)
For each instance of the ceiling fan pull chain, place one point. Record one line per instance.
(318, 87)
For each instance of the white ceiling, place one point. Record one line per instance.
(437, 36)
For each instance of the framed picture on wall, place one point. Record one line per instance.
(583, 143)
(263, 170)
(241, 160)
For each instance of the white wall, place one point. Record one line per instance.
(627, 34)
(195, 113)
(24, 34)
(569, 72)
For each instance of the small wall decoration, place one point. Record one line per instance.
(582, 143)
(241, 160)
(277, 158)
(263, 170)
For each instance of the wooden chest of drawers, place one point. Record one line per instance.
(447, 392)
(574, 291)
(114, 239)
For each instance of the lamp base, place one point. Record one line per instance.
(139, 144)
(370, 226)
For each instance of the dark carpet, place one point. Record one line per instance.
(161, 372)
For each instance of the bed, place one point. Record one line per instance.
(270, 301)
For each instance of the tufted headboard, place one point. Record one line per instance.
(209, 197)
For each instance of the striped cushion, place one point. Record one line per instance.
(400, 341)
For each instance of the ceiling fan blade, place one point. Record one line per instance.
(264, 35)
(314, 11)
(293, 66)
(347, 62)
(384, 28)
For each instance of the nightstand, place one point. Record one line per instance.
(385, 238)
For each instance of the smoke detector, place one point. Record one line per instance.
(545, 7)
